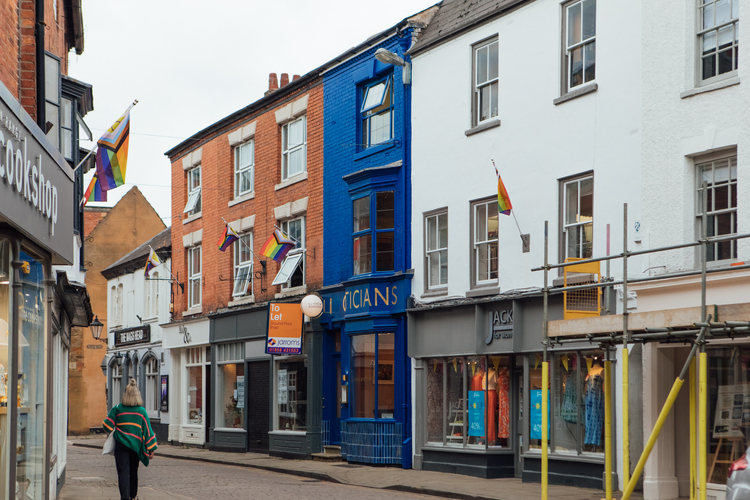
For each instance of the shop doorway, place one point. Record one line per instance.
(258, 406)
(332, 391)
(207, 403)
(518, 431)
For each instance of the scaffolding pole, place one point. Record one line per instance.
(693, 440)
(703, 367)
(625, 359)
(607, 425)
(545, 371)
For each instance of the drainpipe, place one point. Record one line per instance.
(39, 27)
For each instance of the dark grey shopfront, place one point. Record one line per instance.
(477, 384)
(240, 385)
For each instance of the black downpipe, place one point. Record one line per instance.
(41, 115)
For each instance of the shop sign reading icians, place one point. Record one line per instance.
(36, 183)
(284, 334)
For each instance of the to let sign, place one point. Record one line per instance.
(130, 336)
(284, 334)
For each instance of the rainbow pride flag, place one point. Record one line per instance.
(228, 237)
(277, 246)
(153, 262)
(112, 153)
(94, 192)
(504, 205)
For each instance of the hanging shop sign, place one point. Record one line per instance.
(36, 183)
(131, 336)
(501, 325)
(284, 335)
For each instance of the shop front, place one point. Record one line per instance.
(366, 370)
(240, 370)
(188, 388)
(135, 355)
(36, 225)
(478, 392)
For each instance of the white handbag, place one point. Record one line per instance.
(109, 444)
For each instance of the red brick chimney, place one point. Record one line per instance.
(284, 80)
(273, 83)
(295, 78)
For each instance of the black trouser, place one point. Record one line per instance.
(127, 471)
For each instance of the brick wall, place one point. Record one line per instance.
(343, 88)
(217, 181)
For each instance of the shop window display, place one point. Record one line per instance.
(372, 366)
(469, 401)
(194, 367)
(231, 397)
(728, 409)
(5, 354)
(291, 392)
(30, 380)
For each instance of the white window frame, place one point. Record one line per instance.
(118, 305)
(731, 161)
(582, 43)
(484, 50)
(193, 205)
(287, 151)
(369, 112)
(244, 168)
(116, 383)
(579, 223)
(194, 357)
(477, 243)
(151, 305)
(194, 277)
(294, 258)
(243, 285)
(713, 29)
(437, 251)
(152, 386)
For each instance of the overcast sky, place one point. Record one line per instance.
(191, 62)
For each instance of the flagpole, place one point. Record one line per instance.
(242, 242)
(162, 264)
(288, 236)
(513, 213)
(95, 148)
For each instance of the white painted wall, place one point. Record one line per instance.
(537, 143)
(675, 129)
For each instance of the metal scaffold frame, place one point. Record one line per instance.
(696, 335)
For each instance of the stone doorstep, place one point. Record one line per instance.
(332, 450)
(326, 457)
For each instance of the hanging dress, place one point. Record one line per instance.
(503, 413)
(594, 398)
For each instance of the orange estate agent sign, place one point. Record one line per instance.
(284, 329)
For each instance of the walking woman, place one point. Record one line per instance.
(134, 439)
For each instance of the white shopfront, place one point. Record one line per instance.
(188, 387)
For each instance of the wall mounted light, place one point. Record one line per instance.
(387, 57)
(96, 329)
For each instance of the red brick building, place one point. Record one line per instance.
(259, 168)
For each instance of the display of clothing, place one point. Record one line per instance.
(503, 395)
(569, 409)
(479, 382)
(594, 398)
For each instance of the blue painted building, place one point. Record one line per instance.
(367, 257)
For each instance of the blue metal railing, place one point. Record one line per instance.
(371, 442)
(325, 429)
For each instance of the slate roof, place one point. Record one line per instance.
(162, 245)
(456, 16)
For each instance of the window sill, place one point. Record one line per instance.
(292, 180)
(459, 448)
(735, 80)
(240, 199)
(297, 290)
(288, 433)
(192, 312)
(193, 217)
(573, 94)
(483, 292)
(248, 299)
(230, 429)
(556, 455)
(154, 319)
(374, 149)
(482, 127)
(435, 293)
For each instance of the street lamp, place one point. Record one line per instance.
(96, 329)
(387, 57)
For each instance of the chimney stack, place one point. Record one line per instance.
(284, 80)
(295, 78)
(273, 83)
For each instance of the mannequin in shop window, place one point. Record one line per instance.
(594, 400)
(480, 382)
(503, 407)
(566, 433)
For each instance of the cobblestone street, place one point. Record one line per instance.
(91, 475)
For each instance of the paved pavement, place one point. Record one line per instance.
(92, 476)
